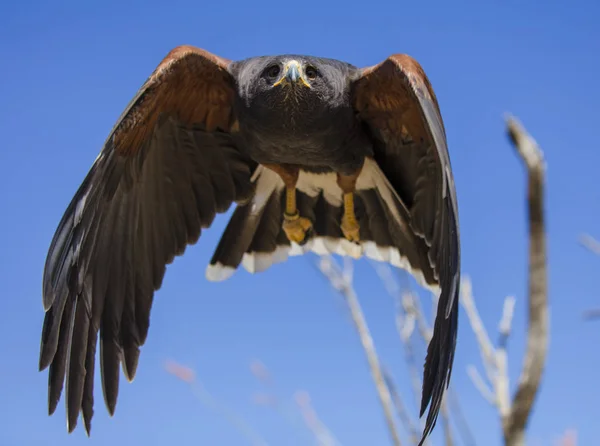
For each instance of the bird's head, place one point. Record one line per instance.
(294, 75)
(281, 89)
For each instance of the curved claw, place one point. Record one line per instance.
(296, 228)
(350, 228)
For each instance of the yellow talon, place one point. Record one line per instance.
(295, 227)
(350, 226)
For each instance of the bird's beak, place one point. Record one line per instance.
(292, 74)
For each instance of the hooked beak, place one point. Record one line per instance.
(292, 74)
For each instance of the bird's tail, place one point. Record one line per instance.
(255, 239)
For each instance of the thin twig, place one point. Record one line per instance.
(411, 305)
(322, 434)
(487, 393)
(494, 358)
(486, 348)
(446, 423)
(459, 418)
(188, 376)
(411, 362)
(502, 381)
(336, 277)
(405, 325)
(271, 396)
(408, 309)
(401, 408)
(590, 243)
(590, 315)
(506, 322)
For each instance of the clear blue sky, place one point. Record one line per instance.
(68, 70)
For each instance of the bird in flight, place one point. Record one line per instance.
(317, 154)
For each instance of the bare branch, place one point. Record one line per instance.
(590, 243)
(261, 372)
(448, 441)
(568, 439)
(188, 376)
(412, 307)
(538, 325)
(408, 317)
(485, 345)
(323, 436)
(593, 245)
(405, 322)
(271, 396)
(459, 418)
(401, 408)
(480, 385)
(592, 314)
(506, 322)
(529, 151)
(336, 277)
(502, 382)
(494, 358)
(410, 311)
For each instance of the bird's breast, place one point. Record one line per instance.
(302, 140)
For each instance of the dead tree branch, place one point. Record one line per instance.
(405, 325)
(271, 397)
(411, 306)
(592, 245)
(459, 418)
(538, 324)
(342, 282)
(401, 410)
(493, 358)
(448, 441)
(590, 315)
(408, 317)
(302, 402)
(515, 414)
(322, 434)
(188, 376)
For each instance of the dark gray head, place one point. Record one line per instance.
(281, 89)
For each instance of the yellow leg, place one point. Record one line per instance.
(295, 227)
(350, 226)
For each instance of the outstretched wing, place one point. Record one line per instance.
(396, 102)
(168, 166)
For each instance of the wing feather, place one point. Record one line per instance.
(168, 166)
(398, 105)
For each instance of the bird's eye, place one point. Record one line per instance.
(273, 71)
(311, 72)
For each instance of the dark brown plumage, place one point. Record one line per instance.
(318, 155)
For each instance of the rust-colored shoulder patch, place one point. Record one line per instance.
(191, 84)
(386, 95)
(378, 90)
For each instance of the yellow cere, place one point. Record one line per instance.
(284, 78)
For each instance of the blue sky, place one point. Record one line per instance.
(69, 68)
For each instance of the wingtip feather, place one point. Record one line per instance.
(87, 422)
(218, 272)
(71, 424)
(130, 363)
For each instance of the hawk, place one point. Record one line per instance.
(317, 154)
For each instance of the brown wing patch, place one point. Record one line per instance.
(415, 71)
(190, 84)
(386, 101)
(397, 103)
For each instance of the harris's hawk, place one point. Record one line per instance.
(317, 155)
